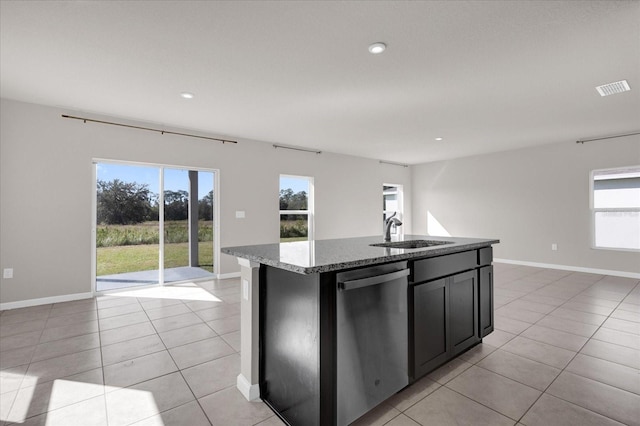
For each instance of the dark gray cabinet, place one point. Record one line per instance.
(463, 311)
(430, 325)
(486, 300)
(452, 301)
(445, 319)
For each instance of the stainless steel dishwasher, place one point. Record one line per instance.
(372, 338)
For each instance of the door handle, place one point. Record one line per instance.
(369, 281)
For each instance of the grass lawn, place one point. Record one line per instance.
(121, 248)
(176, 231)
(120, 259)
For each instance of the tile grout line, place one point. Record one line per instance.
(572, 358)
(195, 398)
(560, 306)
(179, 370)
(168, 352)
(172, 359)
(237, 352)
(104, 382)
(28, 365)
(561, 370)
(62, 407)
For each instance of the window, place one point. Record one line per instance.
(392, 203)
(296, 208)
(615, 208)
(153, 224)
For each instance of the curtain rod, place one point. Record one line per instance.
(315, 151)
(147, 128)
(582, 141)
(393, 164)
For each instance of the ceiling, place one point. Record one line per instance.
(485, 76)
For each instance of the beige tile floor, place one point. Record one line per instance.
(566, 351)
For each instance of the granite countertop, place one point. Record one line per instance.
(310, 257)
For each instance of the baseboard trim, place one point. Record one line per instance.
(228, 275)
(249, 391)
(78, 296)
(571, 268)
(44, 300)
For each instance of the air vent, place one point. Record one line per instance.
(613, 88)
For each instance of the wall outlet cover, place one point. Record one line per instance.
(7, 273)
(245, 289)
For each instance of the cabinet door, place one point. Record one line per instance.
(486, 300)
(463, 311)
(430, 325)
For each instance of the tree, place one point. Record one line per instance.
(205, 207)
(123, 203)
(285, 197)
(299, 201)
(176, 205)
(293, 201)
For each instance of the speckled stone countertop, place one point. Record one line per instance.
(310, 257)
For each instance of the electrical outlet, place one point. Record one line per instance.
(554, 247)
(7, 273)
(245, 289)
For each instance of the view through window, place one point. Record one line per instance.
(391, 203)
(616, 208)
(154, 224)
(296, 208)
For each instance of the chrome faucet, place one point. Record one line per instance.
(391, 220)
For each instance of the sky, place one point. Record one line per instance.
(174, 179)
(297, 184)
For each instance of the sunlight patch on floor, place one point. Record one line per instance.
(9, 414)
(126, 405)
(52, 397)
(185, 291)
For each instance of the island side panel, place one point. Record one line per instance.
(328, 349)
(290, 344)
(248, 379)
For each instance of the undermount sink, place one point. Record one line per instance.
(411, 244)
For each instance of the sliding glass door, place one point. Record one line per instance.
(188, 224)
(153, 225)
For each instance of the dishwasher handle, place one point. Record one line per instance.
(369, 281)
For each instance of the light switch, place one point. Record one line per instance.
(7, 273)
(239, 214)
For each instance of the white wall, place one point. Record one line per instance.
(527, 198)
(46, 190)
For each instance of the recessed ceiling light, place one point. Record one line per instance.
(377, 48)
(187, 95)
(438, 139)
(613, 88)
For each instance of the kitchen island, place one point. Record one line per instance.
(331, 328)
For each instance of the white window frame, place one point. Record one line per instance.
(595, 210)
(400, 198)
(310, 205)
(160, 167)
